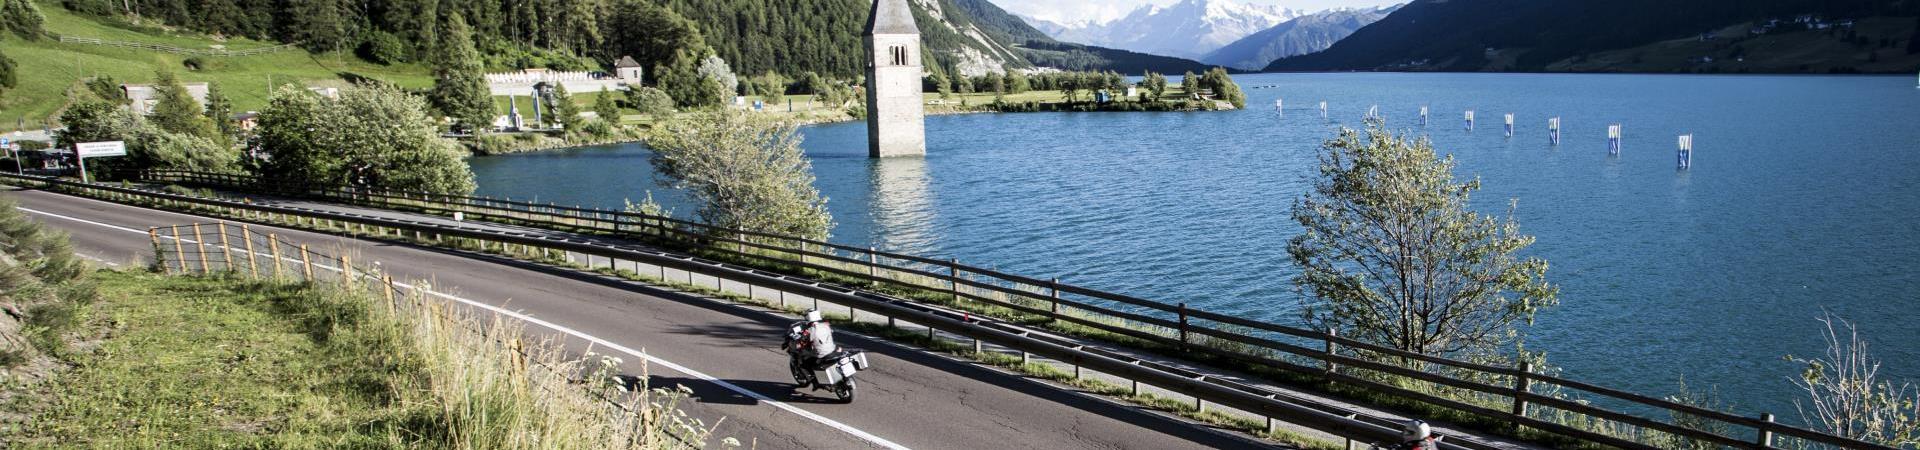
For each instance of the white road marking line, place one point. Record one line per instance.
(869, 437)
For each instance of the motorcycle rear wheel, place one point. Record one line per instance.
(844, 390)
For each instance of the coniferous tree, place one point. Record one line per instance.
(23, 18)
(320, 25)
(681, 79)
(177, 111)
(7, 78)
(459, 87)
(606, 108)
(220, 112)
(566, 114)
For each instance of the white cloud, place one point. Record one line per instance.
(1107, 10)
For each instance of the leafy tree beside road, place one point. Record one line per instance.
(372, 136)
(745, 171)
(1392, 255)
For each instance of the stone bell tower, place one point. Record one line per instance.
(896, 115)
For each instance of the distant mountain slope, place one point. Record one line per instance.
(1532, 35)
(974, 37)
(1302, 35)
(1188, 29)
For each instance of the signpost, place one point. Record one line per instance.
(13, 152)
(85, 150)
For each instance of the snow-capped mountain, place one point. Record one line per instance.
(1188, 29)
(1300, 36)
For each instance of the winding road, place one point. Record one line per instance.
(727, 354)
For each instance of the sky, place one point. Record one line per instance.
(1105, 10)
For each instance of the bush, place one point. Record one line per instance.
(650, 101)
(384, 48)
(196, 64)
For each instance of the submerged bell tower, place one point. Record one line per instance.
(896, 115)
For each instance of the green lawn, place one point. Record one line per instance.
(48, 68)
(207, 363)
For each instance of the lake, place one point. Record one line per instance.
(1804, 196)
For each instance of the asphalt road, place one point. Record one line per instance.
(728, 355)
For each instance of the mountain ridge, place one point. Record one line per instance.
(1305, 34)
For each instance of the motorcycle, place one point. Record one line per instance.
(839, 366)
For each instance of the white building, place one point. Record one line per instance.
(142, 97)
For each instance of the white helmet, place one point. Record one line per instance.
(814, 316)
(1417, 429)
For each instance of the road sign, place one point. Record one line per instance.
(85, 150)
(99, 149)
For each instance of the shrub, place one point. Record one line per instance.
(384, 48)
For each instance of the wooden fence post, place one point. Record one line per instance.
(253, 264)
(273, 246)
(388, 280)
(1183, 325)
(346, 269)
(306, 262)
(1522, 385)
(159, 258)
(953, 278)
(200, 247)
(1053, 290)
(226, 251)
(1765, 430)
(1333, 350)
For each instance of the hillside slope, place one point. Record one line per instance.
(1537, 35)
(48, 69)
(1302, 35)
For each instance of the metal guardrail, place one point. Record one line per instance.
(1210, 389)
(176, 50)
(1045, 298)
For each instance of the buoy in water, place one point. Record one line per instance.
(1686, 152)
(1613, 139)
(1553, 130)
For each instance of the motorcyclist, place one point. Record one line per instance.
(816, 340)
(1417, 435)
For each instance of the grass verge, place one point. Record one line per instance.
(194, 362)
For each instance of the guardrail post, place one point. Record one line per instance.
(388, 280)
(346, 270)
(1332, 350)
(159, 257)
(1053, 291)
(253, 264)
(1183, 325)
(1765, 430)
(226, 251)
(306, 262)
(200, 247)
(1522, 385)
(273, 246)
(873, 266)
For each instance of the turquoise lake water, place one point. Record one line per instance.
(1804, 196)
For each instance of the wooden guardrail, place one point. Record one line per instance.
(1302, 351)
(176, 50)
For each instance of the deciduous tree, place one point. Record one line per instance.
(1391, 253)
(746, 171)
(371, 135)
